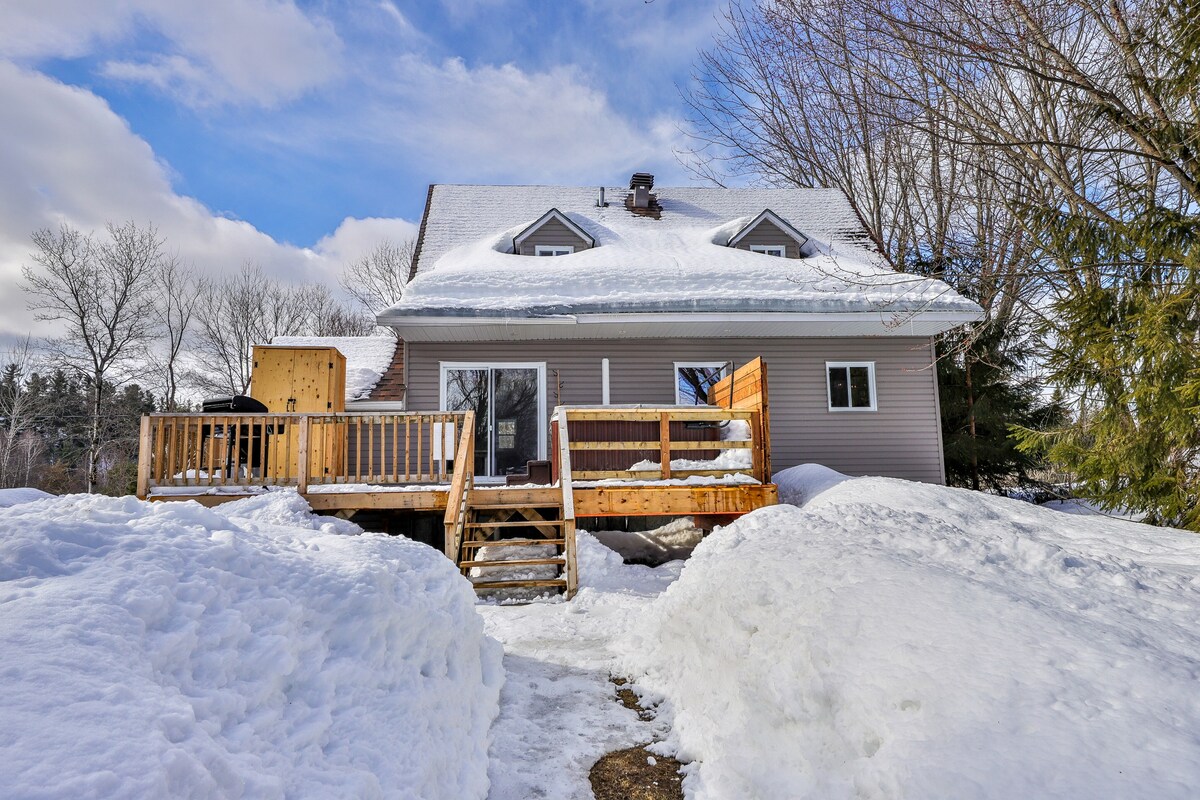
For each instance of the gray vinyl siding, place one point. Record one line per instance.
(552, 232)
(768, 233)
(900, 440)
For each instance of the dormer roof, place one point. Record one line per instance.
(554, 214)
(767, 215)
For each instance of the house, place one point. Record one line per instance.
(523, 298)
(623, 336)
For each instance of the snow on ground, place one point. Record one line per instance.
(894, 639)
(558, 712)
(367, 358)
(1087, 509)
(15, 497)
(255, 650)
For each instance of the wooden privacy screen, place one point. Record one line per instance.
(746, 388)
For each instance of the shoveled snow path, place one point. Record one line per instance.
(558, 709)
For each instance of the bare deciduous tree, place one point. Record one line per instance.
(102, 291)
(17, 411)
(175, 309)
(377, 280)
(248, 308)
(327, 316)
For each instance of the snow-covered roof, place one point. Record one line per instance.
(678, 263)
(367, 358)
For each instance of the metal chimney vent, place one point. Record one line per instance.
(639, 200)
(642, 180)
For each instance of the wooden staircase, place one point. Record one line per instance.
(497, 520)
(501, 518)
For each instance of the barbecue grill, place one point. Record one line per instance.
(248, 437)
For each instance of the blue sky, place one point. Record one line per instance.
(297, 134)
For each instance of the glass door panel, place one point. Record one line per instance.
(507, 402)
(470, 390)
(515, 424)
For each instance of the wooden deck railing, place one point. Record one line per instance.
(460, 486)
(655, 436)
(241, 450)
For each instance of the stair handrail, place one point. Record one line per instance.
(460, 484)
(571, 567)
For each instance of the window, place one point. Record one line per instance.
(851, 385)
(769, 249)
(692, 381)
(553, 249)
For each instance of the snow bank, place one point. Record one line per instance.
(15, 497)
(367, 358)
(255, 650)
(798, 485)
(894, 639)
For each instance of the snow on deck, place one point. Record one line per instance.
(367, 358)
(678, 262)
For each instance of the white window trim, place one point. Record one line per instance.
(723, 365)
(770, 249)
(870, 365)
(553, 249)
(540, 366)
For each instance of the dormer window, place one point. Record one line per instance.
(552, 234)
(771, 235)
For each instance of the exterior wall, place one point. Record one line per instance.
(552, 232)
(901, 439)
(768, 233)
(391, 386)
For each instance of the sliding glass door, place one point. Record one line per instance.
(510, 411)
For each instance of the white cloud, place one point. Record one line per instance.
(355, 237)
(501, 122)
(67, 157)
(220, 51)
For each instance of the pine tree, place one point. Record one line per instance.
(1127, 348)
(984, 392)
(1126, 338)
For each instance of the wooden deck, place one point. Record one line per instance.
(598, 501)
(345, 463)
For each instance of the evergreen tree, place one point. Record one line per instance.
(984, 392)
(1126, 337)
(1127, 350)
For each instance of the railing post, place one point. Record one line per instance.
(302, 463)
(756, 448)
(144, 463)
(568, 503)
(664, 435)
(460, 486)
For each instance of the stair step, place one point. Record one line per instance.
(557, 582)
(485, 506)
(510, 542)
(527, 562)
(524, 523)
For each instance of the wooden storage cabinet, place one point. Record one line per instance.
(305, 380)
